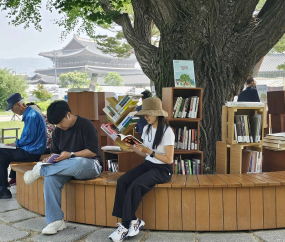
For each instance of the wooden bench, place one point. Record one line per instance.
(188, 203)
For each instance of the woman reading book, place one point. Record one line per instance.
(158, 138)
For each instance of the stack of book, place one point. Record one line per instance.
(111, 130)
(186, 166)
(185, 139)
(186, 107)
(274, 141)
(126, 102)
(130, 118)
(248, 130)
(112, 165)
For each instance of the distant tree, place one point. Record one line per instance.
(10, 84)
(74, 79)
(98, 88)
(42, 93)
(113, 79)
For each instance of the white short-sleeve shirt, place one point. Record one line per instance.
(167, 139)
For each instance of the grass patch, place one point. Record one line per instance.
(11, 124)
(3, 112)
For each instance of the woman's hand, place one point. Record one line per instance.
(63, 156)
(143, 149)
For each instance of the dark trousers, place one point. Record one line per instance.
(12, 174)
(134, 184)
(8, 155)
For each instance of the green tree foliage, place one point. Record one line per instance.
(74, 80)
(42, 93)
(98, 88)
(113, 79)
(10, 84)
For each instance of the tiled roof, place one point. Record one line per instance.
(43, 79)
(271, 62)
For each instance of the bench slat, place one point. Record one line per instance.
(243, 182)
(192, 181)
(217, 182)
(230, 181)
(264, 178)
(179, 181)
(256, 182)
(204, 181)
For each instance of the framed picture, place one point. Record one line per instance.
(184, 75)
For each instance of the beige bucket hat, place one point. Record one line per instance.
(152, 106)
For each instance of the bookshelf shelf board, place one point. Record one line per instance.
(184, 119)
(247, 144)
(125, 113)
(178, 151)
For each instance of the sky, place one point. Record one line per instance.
(17, 42)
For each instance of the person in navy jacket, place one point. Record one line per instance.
(29, 147)
(250, 94)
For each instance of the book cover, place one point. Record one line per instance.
(184, 75)
(245, 104)
(50, 160)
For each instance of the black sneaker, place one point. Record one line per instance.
(5, 193)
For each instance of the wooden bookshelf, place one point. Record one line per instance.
(127, 160)
(168, 101)
(228, 151)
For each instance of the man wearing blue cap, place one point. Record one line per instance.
(29, 147)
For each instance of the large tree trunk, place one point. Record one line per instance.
(223, 38)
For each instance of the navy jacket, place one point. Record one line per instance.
(248, 95)
(142, 121)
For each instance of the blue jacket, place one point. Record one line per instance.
(142, 121)
(34, 135)
(248, 95)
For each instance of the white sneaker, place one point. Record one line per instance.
(31, 176)
(53, 227)
(135, 227)
(119, 234)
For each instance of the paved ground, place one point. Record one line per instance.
(19, 224)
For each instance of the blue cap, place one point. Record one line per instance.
(14, 98)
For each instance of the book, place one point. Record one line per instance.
(245, 104)
(112, 148)
(184, 75)
(50, 160)
(129, 139)
(3, 146)
(276, 136)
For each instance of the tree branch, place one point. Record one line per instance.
(260, 36)
(268, 4)
(243, 12)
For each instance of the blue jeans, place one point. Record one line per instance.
(58, 174)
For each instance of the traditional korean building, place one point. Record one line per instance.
(82, 55)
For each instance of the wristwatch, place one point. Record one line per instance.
(72, 155)
(152, 154)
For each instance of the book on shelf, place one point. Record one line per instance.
(111, 130)
(129, 139)
(111, 113)
(130, 118)
(186, 166)
(127, 101)
(276, 136)
(255, 162)
(186, 107)
(185, 139)
(245, 104)
(247, 130)
(112, 165)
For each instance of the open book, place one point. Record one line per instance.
(129, 139)
(7, 146)
(51, 161)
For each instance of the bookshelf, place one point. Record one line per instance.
(127, 159)
(228, 151)
(169, 95)
(89, 105)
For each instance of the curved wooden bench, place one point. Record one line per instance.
(188, 203)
